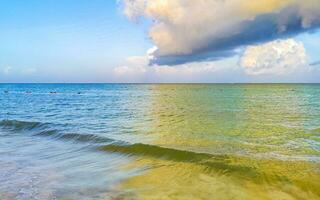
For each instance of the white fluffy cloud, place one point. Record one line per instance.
(279, 57)
(190, 30)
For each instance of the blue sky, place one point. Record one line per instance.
(86, 40)
(74, 40)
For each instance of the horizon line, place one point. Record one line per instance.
(159, 83)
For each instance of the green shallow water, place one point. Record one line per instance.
(192, 141)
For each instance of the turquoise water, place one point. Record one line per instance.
(140, 141)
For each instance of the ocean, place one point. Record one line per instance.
(159, 141)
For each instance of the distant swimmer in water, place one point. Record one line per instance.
(53, 92)
(79, 92)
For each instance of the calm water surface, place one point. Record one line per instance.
(126, 141)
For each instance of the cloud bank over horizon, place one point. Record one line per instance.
(137, 67)
(275, 61)
(187, 31)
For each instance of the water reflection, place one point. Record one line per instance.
(228, 142)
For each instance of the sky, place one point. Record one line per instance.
(159, 41)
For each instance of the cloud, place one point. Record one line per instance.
(203, 30)
(135, 65)
(278, 61)
(280, 57)
(29, 71)
(7, 70)
(138, 66)
(16, 71)
(315, 63)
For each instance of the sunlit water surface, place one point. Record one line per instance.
(125, 141)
